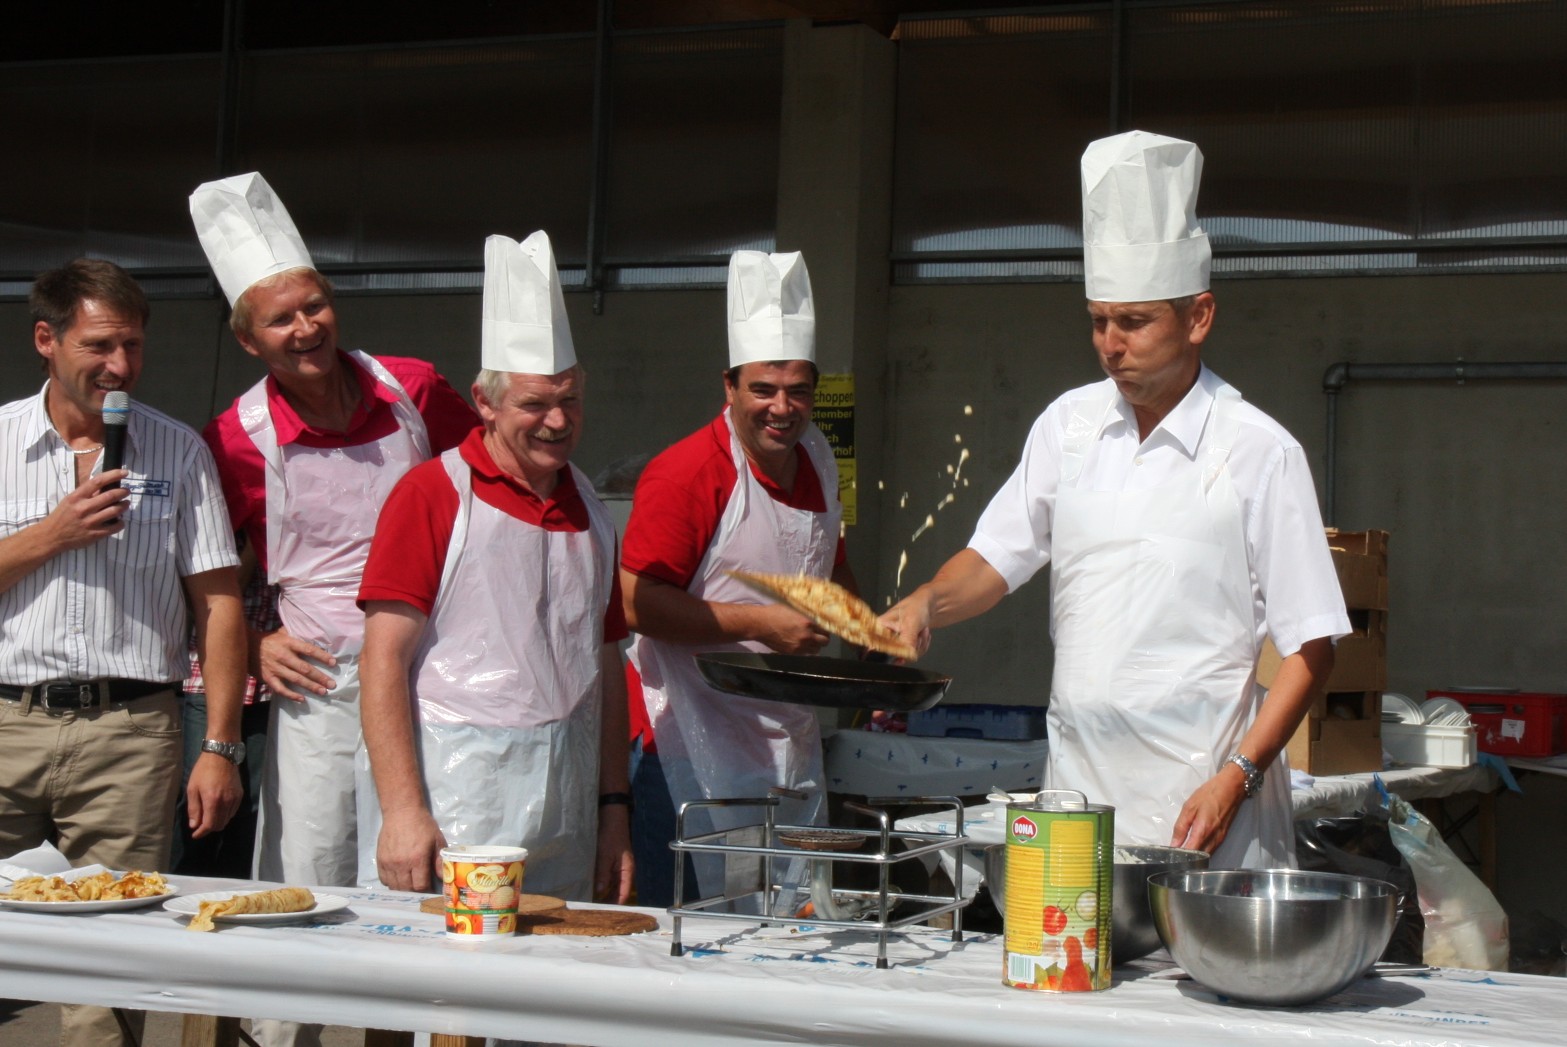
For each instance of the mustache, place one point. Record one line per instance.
(552, 436)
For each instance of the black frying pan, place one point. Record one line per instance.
(835, 683)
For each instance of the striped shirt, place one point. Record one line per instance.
(114, 608)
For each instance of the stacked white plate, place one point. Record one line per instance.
(1398, 708)
(1437, 733)
(1445, 712)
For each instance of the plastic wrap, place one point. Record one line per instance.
(1465, 925)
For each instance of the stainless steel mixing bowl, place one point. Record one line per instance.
(1273, 936)
(1133, 934)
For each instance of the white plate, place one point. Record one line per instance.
(190, 905)
(1445, 711)
(74, 908)
(1396, 708)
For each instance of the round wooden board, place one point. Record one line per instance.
(593, 923)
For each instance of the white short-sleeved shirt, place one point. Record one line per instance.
(115, 608)
(1295, 591)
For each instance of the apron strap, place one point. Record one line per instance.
(255, 418)
(462, 479)
(1226, 427)
(1082, 429)
(406, 413)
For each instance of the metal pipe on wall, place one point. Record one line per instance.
(1339, 375)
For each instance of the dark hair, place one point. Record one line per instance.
(732, 376)
(58, 293)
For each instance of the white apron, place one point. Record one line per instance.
(714, 745)
(507, 689)
(322, 505)
(1156, 645)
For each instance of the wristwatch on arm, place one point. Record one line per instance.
(1253, 776)
(233, 752)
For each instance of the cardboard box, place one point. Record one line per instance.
(1360, 558)
(1342, 733)
(1331, 746)
(1359, 659)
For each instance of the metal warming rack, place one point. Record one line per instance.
(784, 868)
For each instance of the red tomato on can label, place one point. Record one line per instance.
(1055, 920)
(1091, 938)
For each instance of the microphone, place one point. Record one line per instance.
(116, 416)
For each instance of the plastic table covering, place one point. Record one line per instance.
(383, 964)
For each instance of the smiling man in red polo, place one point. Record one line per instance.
(494, 697)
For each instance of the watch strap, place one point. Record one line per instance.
(233, 752)
(1253, 775)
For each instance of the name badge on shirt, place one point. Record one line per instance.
(148, 488)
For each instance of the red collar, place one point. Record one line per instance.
(289, 427)
(478, 457)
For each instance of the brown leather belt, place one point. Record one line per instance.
(58, 696)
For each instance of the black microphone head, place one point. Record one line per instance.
(116, 408)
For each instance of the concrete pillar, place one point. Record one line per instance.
(835, 205)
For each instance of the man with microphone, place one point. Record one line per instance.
(111, 519)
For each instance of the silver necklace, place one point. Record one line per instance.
(85, 450)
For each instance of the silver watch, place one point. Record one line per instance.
(233, 752)
(1253, 776)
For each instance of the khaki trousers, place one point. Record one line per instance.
(99, 784)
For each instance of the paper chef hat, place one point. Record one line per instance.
(771, 316)
(525, 329)
(246, 232)
(1141, 241)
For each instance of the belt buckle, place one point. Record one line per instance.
(72, 695)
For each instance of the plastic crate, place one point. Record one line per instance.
(1429, 745)
(1515, 723)
(996, 722)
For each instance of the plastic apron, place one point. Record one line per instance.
(507, 688)
(714, 745)
(322, 505)
(1156, 645)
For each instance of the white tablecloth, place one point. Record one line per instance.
(871, 763)
(383, 964)
(1556, 765)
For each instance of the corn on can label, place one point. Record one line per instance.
(1059, 874)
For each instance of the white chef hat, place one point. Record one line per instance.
(1141, 241)
(525, 329)
(246, 232)
(771, 315)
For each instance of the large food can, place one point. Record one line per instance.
(1060, 866)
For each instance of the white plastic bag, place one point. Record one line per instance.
(1465, 924)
